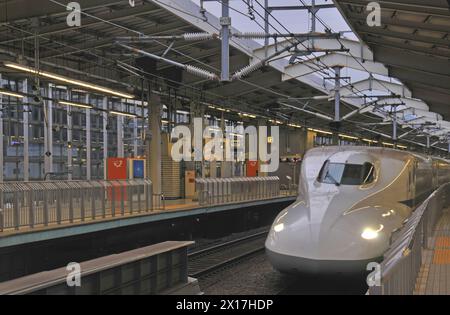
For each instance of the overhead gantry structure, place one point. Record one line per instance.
(413, 42)
(178, 33)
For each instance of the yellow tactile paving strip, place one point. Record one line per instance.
(434, 277)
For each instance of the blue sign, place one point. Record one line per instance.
(138, 169)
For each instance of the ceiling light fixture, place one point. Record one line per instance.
(122, 114)
(68, 80)
(10, 93)
(87, 106)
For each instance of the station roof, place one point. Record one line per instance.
(89, 52)
(413, 42)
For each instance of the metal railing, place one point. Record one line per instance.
(214, 191)
(402, 262)
(31, 204)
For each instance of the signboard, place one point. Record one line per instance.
(137, 169)
(252, 168)
(116, 168)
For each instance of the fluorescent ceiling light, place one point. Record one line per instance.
(348, 137)
(67, 80)
(87, 106)
(122, 114)
(370, 141)
(320, 131)
(9, 93)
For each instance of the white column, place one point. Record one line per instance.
(135, 132)
(155, 152)
(105, 135)
(120, 146)
(88, 141)
(1, 133)
(48, 132)
(69, 137)
(26, 134)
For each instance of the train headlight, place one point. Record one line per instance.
(371, 234)
(278, 228)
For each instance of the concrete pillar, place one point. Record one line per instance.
(155, 146)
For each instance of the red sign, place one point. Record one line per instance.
(252, 168)
(116, 168)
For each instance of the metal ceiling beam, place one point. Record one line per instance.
(393, 21)
(440, 53)
(378, 31)
(117, 15)
(410, 6)
(106, 42)
(404, 59)
(25, 9)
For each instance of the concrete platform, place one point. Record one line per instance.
(173, 210)
(434, 277)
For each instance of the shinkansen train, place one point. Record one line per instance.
(351, 201)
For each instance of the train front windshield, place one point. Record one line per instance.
(346, 174)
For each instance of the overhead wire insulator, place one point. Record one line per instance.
(248, 69)
(251, 35)
(202, 73)
(199, 36)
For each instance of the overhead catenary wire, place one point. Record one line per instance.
(246, 82)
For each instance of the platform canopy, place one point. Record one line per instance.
(90, 52)
(413, 42)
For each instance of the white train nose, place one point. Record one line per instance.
(295, 244)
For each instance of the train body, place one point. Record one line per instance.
(351, 201)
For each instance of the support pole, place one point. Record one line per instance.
(394, 128)
(48, 132)
(105, 136)
(69, 137)
(135, 132)
(1, 134)
(266, 27)
(337, 104)
(120, 145)
(313, 16)
(88, 142)
(155, 152)
(225, 21)
(26, 133)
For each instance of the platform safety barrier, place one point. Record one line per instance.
(33, 204)
(402, 262)
(155, 269)
(214, 191)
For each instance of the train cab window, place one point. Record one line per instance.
(347, 174)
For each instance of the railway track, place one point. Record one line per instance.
(208, 260)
